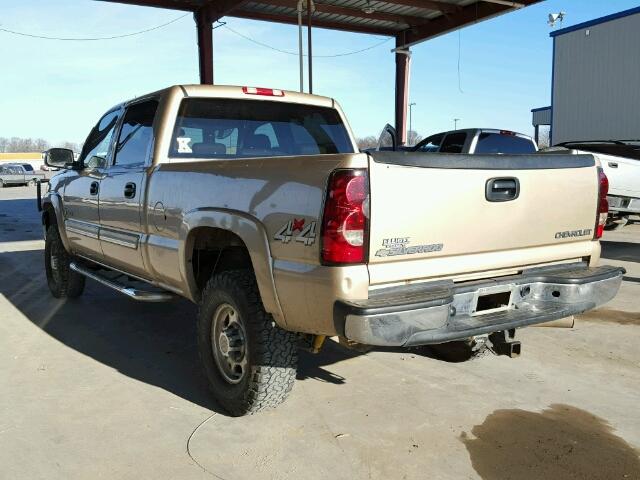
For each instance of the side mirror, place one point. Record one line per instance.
(59, 158)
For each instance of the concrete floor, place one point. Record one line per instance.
(107, 388)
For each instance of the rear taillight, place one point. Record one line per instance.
(603, 204)
(345, 223)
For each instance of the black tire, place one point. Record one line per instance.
(269, 353)
(1, 183)
(63, 282)
(32, 182)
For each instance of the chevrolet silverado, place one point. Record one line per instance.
(255, 204)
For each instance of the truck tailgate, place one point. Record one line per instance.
(431, 215)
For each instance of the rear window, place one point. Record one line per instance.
(502, 143)
(27, 167)
(228, 128)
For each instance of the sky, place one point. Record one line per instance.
(57, 90)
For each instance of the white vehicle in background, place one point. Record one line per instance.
(477, 141)
(620, 161)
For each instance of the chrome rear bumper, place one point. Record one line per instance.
(443, 311)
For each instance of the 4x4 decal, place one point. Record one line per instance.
(306, 235)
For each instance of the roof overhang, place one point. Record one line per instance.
(410, 21)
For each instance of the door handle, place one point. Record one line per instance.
(130, 190)
(502, 189)
(94, 188)
(613, 164)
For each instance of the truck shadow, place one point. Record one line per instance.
(624, 251)
(17, 221)
(152, 343)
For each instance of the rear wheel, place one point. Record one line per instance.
(249, 361)
(63, 282)
(32, 182)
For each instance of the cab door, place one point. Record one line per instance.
(81, 193)
(122, 189)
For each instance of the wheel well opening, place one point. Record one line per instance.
(215, 250)
(48, 215)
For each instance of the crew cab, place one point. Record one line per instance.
(255, 204)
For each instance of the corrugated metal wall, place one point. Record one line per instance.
(596, 91)
(541, 117)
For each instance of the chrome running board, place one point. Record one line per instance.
(135, 294)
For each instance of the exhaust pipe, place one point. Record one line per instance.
(567, 322)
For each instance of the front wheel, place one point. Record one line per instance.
(63, 282)
(1, 183)
(249, 361)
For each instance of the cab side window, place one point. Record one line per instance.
(136, 134)
(453, 143)
(431, 144)
(96, 147)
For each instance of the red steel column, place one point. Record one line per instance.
(402, 91)
(205, 45)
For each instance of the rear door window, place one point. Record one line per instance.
(228, 128)
(503, 143)
(453, 143)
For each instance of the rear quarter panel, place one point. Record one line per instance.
(271, 192)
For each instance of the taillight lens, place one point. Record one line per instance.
(603, 204)
(345, 223)
(267, 92)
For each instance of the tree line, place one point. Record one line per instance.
(27, 145)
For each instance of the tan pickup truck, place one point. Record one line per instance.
(256, 204)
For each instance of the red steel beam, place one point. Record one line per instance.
(403, 62)
(204, 21)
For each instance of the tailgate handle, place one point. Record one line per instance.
(613, 164)
(502, 189)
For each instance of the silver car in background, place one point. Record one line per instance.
(19, 174)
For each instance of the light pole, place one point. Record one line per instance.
(455, 123)
(410, 116)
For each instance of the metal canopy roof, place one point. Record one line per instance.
(410, 21)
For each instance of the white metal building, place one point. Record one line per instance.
(595, 93)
